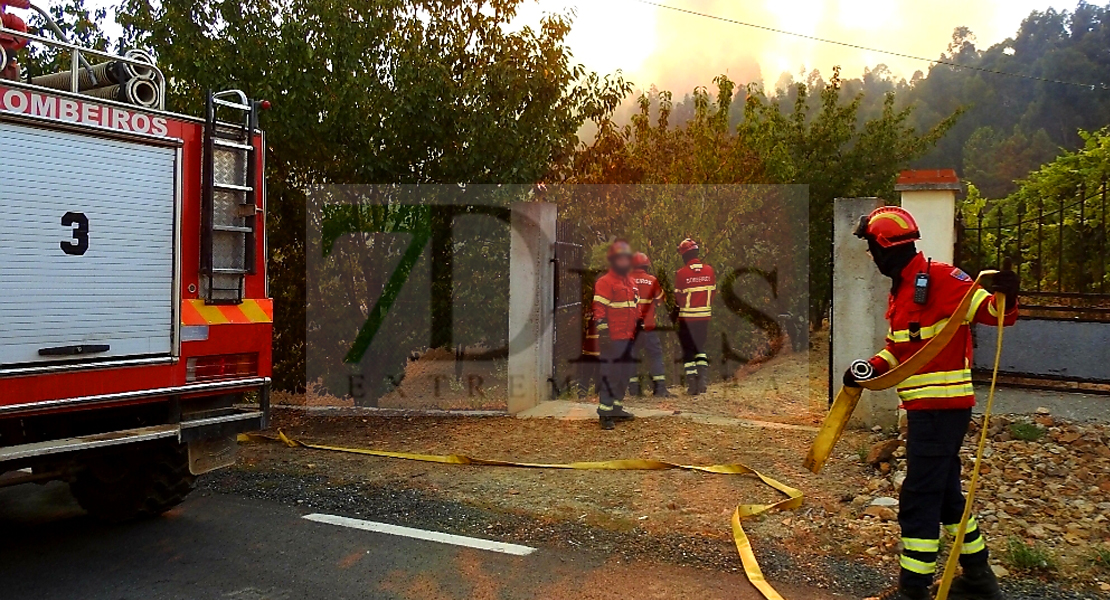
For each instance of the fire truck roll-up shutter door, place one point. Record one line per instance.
(87, 229)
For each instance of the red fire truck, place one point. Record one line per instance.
(135, 319)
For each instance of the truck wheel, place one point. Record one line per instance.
(143, 483)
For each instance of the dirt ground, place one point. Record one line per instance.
(789, 388)
(662, 502)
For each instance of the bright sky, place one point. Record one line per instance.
(677, 51)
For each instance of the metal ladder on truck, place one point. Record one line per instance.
(229, 200)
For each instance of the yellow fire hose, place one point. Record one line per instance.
(958, 543)
(830, 433)
(743, 545)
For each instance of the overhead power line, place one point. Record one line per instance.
(687, 11)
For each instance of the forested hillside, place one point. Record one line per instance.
(1010, 125)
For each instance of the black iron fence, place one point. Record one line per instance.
(569, 308)
(1059, 246)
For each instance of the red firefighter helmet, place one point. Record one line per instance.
(619, 248)
(889, 226)
(687, 245)
(10, 21)
(640, 261)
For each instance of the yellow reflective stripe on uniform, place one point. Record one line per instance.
(973, 547)
(646, 300)
(918, 566)
(903, 335)
(607, 302)
(977, 300)
(703, 288)
(658, 377)
(888, 357)
(602, 326)
(921, 545)
(697, 312)
(937, 391)
(937, 378)
(972, 525)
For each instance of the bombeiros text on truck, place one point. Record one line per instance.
(135, 319)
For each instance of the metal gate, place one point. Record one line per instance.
(1059, 247)
(570, 307)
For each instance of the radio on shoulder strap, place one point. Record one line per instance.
(921, 285)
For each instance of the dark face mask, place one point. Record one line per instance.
(892, 261)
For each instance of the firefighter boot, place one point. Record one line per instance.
(661, 390)
(703, 379)
(634, 386)
(620, 414)
(976, 583)
(605, 410)
(691, 383)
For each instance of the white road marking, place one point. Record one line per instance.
(421, 534)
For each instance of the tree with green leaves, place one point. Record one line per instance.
(390, 92)
(824, 144)
(1054, 227)
(821, 140)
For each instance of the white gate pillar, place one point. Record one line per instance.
(531, 304)
(930, 196)
(859, 324)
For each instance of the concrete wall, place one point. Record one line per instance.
(859, 309)
(531, 304)
(935, 212)
(1048, 347)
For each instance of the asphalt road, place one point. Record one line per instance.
(232, 547)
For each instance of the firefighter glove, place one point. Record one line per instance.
(1006, 282)
(850, 379)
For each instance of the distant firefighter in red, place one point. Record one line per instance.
(695, 284)
(647, 339)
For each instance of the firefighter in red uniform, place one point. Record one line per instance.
(647, 340)
(694, 287)
(9, 68)
(616, 311)
(938, 399)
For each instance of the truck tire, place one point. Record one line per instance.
(145, 482)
